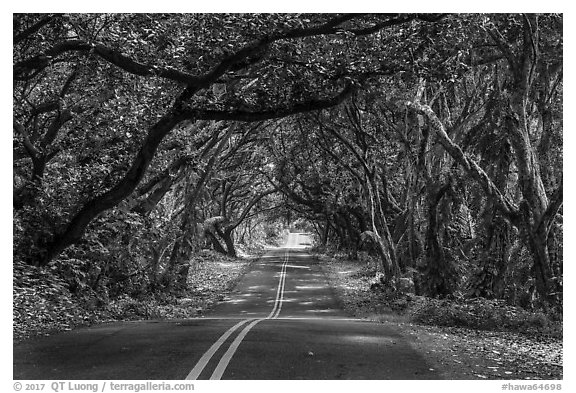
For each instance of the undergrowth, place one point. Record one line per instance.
(354, 285)
(43, 303)
(484, 314)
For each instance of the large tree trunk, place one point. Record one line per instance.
(537, 210)
(549, 289)
(75, 229)
(536, 213)
(488, 282)
(146, 205)
(438, 272)
(176, 273)
(215, 242)
(325, 233)
(228, 237)
(380, 232)
(535, 203)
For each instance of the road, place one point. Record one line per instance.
(281, 322)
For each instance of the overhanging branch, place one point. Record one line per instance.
(22, 68)
(270, 113)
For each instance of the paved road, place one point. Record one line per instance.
(281, 322)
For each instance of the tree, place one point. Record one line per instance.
(245, 55)
(536, 212)
(434, 142)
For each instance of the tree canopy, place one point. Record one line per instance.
(431, 142)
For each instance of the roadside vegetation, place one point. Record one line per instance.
(468, 338)
(43, 304)
(150, 149)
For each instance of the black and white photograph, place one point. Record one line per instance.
(264, 196)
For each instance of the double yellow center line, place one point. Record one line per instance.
(280, 291)
(225, 359)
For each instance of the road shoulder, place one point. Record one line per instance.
(458, 353)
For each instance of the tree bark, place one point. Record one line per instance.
(535, 202)
(146, 205)
(77, 226)
(536, 205)
(228, 238)
(381, 234)
(439, 272)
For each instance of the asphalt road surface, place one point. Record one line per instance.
(281, 322)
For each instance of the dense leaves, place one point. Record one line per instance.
(466, 339)
(43, 303)
(428, 144)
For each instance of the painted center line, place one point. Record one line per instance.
(225, 359)
(195, 373)
(221, 367)
(280, 292)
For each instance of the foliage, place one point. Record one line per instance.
(482, 314)
(351, 281)
(466, 339)
(42, 304)
(429, 144)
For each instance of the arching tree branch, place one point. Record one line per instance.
(505, 205)
(270, 113)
